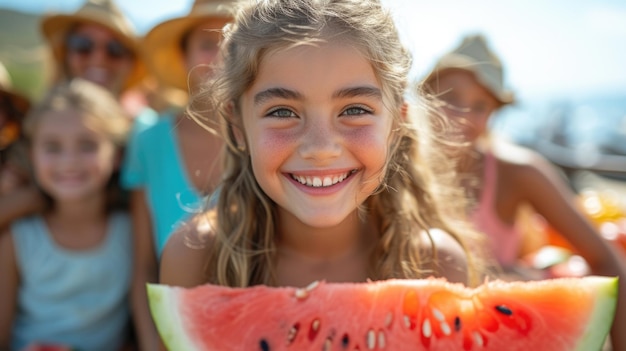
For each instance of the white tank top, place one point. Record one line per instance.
(73, 298)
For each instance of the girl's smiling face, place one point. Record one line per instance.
(72, 161)
(317, 131)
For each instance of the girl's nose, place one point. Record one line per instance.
(320, 141)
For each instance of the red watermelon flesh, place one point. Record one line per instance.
(429, 314)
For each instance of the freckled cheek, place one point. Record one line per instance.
(370, 143)
(273, 142)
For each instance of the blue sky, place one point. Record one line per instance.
(555, 47)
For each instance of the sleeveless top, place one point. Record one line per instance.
(72, 297)
(153, 162)
(504, 239)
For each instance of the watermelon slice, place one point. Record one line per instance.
(431, 314)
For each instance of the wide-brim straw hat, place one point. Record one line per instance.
(56, 27)
(19, 101)
(162, 44)
(474, 55)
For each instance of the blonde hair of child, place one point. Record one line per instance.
(414, 189)
(98, 106)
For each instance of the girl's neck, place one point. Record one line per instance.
(338, 254)
(79, 211)
(78, 225)
(351, 236)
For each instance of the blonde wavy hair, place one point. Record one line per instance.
(416, 181)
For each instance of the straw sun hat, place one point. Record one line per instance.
(56, 27)
(162, 44)
(474, 55)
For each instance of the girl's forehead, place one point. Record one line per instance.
(316, 63)
(66, 120)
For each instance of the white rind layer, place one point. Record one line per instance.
(163, 307)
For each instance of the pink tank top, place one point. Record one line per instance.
(505, 240)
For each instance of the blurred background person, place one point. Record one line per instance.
(14, 171)
(500, 177)
(172, 165)
(65, 273)
(97, 43)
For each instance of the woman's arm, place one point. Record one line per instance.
(546, 191)
(9, 281)
(145, 270)
(20, 202)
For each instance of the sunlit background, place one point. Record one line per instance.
(564, 59)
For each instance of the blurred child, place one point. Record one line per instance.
(173, 164)
(65, 274)
(501, 177)
(96, 43)
(329, 175)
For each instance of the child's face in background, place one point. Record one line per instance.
(72, 160)
(317, 131)
(468, 103)
(96, 54)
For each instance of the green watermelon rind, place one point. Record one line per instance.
(163, 307)
(603, 313)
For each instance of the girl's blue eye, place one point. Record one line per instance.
(281, 113)
(52, 148)
(356, 110)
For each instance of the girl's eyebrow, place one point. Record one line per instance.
(270, 93)
(283, 93)
(369, 91)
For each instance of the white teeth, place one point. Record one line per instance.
(318, 182)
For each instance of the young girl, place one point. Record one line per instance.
(65, 274)
(500, 177)
(327, 174)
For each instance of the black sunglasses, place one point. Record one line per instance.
(83, 45)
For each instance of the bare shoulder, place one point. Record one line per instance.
(512, 154)
(451, 260)
(523, 165)
(184, 258)
(516, 161)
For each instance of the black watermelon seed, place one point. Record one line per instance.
(457, 323)
(345, 341)
(504, 310)
(264, 345)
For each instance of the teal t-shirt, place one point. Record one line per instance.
(153, 163)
